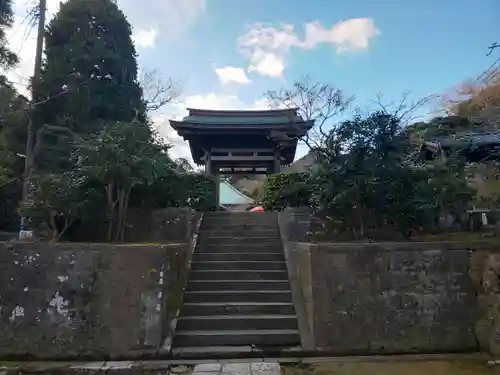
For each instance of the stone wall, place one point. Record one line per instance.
(64, 301)
(374, 298)
(171, 224)
(166, 225)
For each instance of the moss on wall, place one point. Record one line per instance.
(485, 273)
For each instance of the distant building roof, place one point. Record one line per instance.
(475, 146)
(303, 164)
(470, 138)
(228, 195)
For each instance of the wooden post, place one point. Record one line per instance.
(208, 162)
(217, 190)
(277, 161)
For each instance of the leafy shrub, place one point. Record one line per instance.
(283, 190)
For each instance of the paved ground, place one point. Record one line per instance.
(394, 365)
(395, 368)
(259, 368)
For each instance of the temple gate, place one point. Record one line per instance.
(242, 142)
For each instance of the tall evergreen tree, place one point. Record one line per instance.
(12, 128)
(90, 69)
(7, 57)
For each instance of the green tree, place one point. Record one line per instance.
(56, 201)
(365, 181)
(283, 190)
(13, 121)
(90, 68)
(183, 165)
(9, 122)
(121, 156)
(7, 57)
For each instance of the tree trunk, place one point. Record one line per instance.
(53, 227)
(67, 224)
(119, 216)
(110, 194)
(124, 213)
(361, 225)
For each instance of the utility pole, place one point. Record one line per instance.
(30, 139)
(493, 47)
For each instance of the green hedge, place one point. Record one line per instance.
(283, 190)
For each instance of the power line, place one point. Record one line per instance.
(8, 182)
(29, 27)
(11, 36)
(29, 13)
(29, 21)
(33, 105)
(18, 76)
(486, 71)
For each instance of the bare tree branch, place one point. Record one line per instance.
(158, 93)
(317, 101)
(404, 109)
(74, 85)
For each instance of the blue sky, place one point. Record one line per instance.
(227, 53)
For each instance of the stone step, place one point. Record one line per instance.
(241, 232)
(221, 221)
(237, 322)
(239, 241)
(236, 308)
(238, 275)
(257, 337)
(221, 257)
(238, 285)
(225, 352)
(223, 296)
(240, 214)
(249, 247)
(238, 265)
(247, 224)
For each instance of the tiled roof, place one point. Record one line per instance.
(473, 138)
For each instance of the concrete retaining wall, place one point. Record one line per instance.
(77, 301)
(372, 298)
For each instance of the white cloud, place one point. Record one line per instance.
(350, 35)
(173, 17)
(262, 103)
(230, 74)
(145, 38)
(267, 64)
(213, 101)
(180, 148)
(268, 47)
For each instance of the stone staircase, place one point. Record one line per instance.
(238, 297)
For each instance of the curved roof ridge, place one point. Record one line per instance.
(243, 112)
